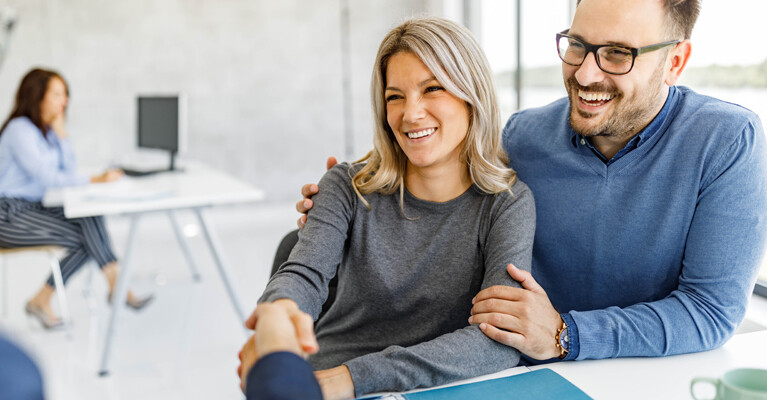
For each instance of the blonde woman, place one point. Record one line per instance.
(416, 228)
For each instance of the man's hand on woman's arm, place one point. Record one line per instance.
(519, 317)
(307, 191)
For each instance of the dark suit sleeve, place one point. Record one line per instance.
(19, 377)
(282, 376)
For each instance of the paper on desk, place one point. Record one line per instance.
(123, 190)
(387, 396)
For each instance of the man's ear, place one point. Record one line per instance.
(676, 61)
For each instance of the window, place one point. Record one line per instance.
(541, 68)
(731, 63)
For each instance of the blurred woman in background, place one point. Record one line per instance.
(36, 155)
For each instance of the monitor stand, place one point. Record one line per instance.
(173, 163)
(139, 173)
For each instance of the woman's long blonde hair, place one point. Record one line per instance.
(456, 60)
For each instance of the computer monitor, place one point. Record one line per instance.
(162, 124)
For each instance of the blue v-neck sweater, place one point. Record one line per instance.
(656, 251)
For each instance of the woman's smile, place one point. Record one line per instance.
(429, 123)
(420, 133)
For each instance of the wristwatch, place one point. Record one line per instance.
(562, 340)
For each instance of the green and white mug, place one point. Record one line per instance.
(736, 384)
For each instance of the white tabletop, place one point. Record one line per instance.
(662, 377)
(197, 185)
(654, 378)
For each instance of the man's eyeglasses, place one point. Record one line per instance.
(613, 59)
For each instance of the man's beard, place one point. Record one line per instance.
(627, 116)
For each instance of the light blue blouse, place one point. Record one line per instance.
(31, 163)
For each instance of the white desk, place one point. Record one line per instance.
(662, 377)
(657, 378)
(197, 188)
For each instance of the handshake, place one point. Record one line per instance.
(279, 327)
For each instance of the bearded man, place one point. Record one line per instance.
(651, 199)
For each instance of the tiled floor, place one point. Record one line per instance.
(184, 346)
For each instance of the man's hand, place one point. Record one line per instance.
(307, 191)
(336, 383)
(248, 358)
(277, 330)
(302, 323)
(520, 318)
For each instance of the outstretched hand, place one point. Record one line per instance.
(522, 318)
(302, 323)
(307, 191)
(278, 327)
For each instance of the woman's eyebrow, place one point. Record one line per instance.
(420, 84)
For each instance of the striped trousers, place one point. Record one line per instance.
(28, 223)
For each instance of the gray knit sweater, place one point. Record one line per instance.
(405, 286)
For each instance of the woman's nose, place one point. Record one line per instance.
(413, 110)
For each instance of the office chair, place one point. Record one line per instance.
(283, 252)
(51, 251)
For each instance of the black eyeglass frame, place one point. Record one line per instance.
(593, 48)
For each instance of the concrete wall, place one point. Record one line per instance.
(262, 78)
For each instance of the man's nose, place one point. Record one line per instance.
(589, 72)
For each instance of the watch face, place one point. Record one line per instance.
(564, 340)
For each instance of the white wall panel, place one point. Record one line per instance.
(262, 78)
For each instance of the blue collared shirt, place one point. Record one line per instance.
(655, 252)
(31, 163)
(20, 378)
(641, 138)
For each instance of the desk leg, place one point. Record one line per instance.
(118, 297)
(218, 257)
(184, 245)
(61, 293)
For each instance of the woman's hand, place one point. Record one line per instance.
(58, 126)
(109, 176)
(336, 383)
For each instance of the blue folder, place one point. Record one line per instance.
(535, 385)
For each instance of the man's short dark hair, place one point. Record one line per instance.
(682, 15)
